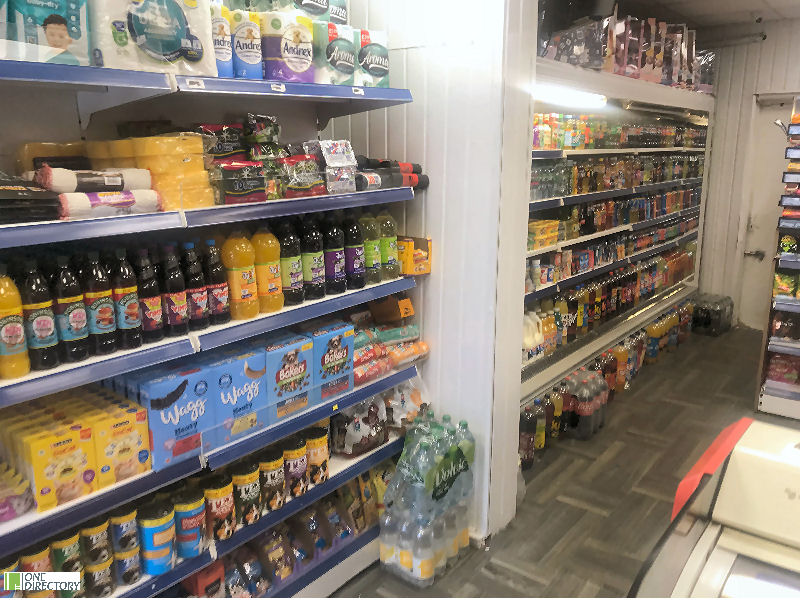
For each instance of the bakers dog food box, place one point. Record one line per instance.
(288, 378)
(180, 411)
(240, 400)
(333, 357)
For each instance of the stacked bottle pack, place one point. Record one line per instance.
(425, 526)
(578, 406)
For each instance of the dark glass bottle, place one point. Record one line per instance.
(354, 254)
(196, 292)
(99, 306)
(149, 299)
(39, 319)
(313, 260)
(125, 291)
(219, 304)
(155, 261)
(70, 311)
(291, 265)
(333, 243)
(173, 297)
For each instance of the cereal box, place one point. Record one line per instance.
(179, 411)
(239, 396)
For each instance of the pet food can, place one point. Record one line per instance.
(220, 509)
(66, 552)
(295, 466)
(127, 567)
(95, 542)
(246, 492)
(124, 532)
(9, 565)
(190, 522)
(273, 482)
(98, 580)
(36, 558)
(156, 522)
(317, 451)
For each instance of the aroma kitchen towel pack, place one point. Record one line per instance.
(334, 53)
(372, 55)
(56, 31)
(170, 36)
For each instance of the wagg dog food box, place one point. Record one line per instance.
(239, 395)
(180, 409)
(288, 378)
(333, 358)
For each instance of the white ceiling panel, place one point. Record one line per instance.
(723, 12)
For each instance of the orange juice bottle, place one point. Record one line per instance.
(14, 361)
(268, 270)
(621, 354)
(239, 258)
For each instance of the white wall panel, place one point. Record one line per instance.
(744, 70)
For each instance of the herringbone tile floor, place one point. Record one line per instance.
(594, 510)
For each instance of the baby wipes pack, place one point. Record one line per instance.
(56, 31)
(286, 46)
(334, 53)
(170, 36)
(372, 56)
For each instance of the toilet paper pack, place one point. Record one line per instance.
(372, 55)
(286, 46)
(170, 36)
(334, 53)
(222, 38)
(246, 45)
(56, 31)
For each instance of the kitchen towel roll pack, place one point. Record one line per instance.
(76, 206)
(334, 53)
(64, 180)
(170, 36)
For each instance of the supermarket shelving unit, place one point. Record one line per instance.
(777, 397)
(98, 90)
(539, 375)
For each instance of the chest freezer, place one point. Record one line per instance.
(735, 530)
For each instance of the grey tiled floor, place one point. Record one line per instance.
(594, 510)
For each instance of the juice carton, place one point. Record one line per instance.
(332, 372)
(60, 464)
(289, 359)
(180, 409)
(239, 396)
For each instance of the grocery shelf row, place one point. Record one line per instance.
(786, 304)
(551, 154)
(784, 346)
(778, 405)
(35, 526)
(30, 234)
(70, 375)
(614, 230)
(570, 282)
(790, 200)
(102, 88)
(606, 194)
(341, 470)
(789, 261)
(546, 372)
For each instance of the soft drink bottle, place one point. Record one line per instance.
(125, 292)
(219, 302)
(196, 290)
(354, 259)
(14, 360)
(70, 311)
(570, 418)
(558, 410)
(333, 243)
(239, 258)
(549, 412)
(268, 270)
(584, 410)
(149, 299)
(527, 438)
(173, 298)
(621, 354)
(99, 306)
(540, 417)
(291, 265)
(313, 260)
(390, 265)
(39, 319)
(371, 234)
(610, 373)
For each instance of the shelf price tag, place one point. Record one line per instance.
(357, 91)
(277, 87)
(195, 84)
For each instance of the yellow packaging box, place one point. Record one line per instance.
(414, 255)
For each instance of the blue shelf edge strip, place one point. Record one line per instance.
(77, 76)
(59, 520)
(793, 152)
(304, 312)
(293, 585)
(794, 129)
(575, 279)
(606, 194)
(29, 234)
(789, 200)
(789, 261)
(782, 347)
(786, 304)
(264, 438)
(155, 585)
(81, 374)
(545, 154)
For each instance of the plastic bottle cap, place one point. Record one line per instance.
(210, 242)
(585, 381)
(527, 409)
(188, 246)
(462, 423)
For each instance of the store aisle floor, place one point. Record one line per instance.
(594, 510)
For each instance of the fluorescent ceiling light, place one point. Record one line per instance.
(743, 586)
(565, 96)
